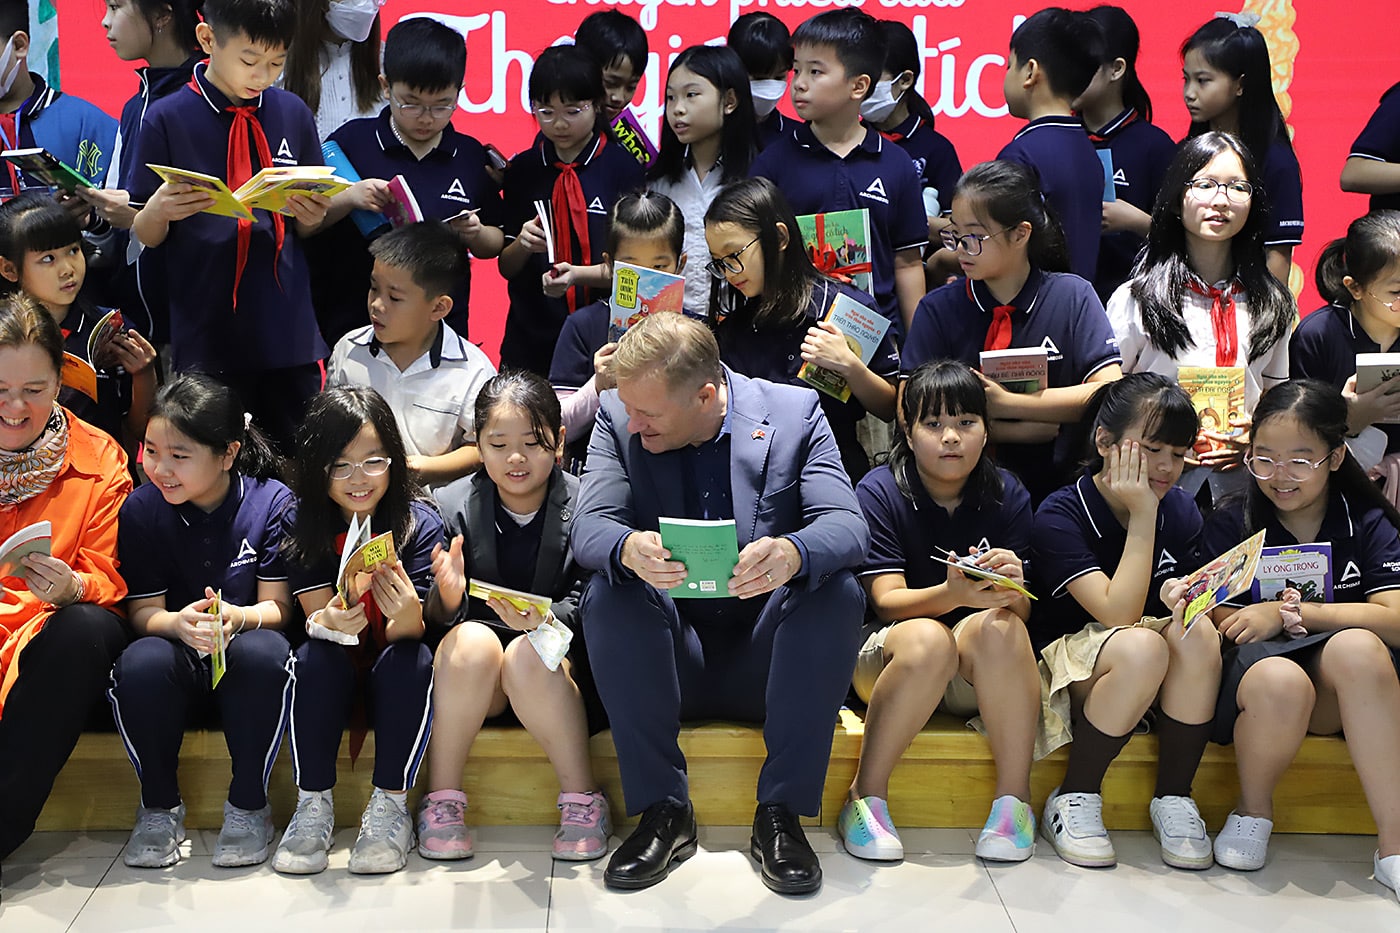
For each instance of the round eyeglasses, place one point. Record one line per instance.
(344, 469)
(1298, 469)
(416, 111)
(1203, 189)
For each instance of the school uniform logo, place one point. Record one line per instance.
(1165, 561)
(456, 188)
(983, 545)
(1119, 178)
(285, 150)
(1052, 352)
(1351, 574)
(596, 206)
(247, 554)
(875, 191)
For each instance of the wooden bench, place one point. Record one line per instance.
(945, 779)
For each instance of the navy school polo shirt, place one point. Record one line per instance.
(178, 550)
(876, 175)
(1324, 346)
(1365, 545)
(273, 326)
(773, 127)
(113, 385)
(1283, 181)
(1076, 533)
(584, 333)
(1141, 153)
(935, 158)
(606, 172)
(1380, 142)
(906, 536)
(518, 547)
(1071, 176)
(416, 554)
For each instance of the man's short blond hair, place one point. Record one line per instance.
(681, 350)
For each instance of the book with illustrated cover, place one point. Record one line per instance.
(267, 190)
(361, 554)
(1024, 369)
(78, 373)
(863, 330)
(403, 207)
(1374, 368)
(638, 292)
(1217, 394)
(1224, 578)
(107, 327)
(218, 658)
(709, 550)
(43, 166)
(31, 539)
(1306, 568)
(839, 244)
(967, 565)
(628, 132)
(480, 589)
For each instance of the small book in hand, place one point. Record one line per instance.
(709, 550)
(31, 539)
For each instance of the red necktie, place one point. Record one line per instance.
(570, 211)
(240, 169)
(999, 334)
(1222, 320)
(893, 136)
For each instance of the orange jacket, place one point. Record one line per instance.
(82, 504)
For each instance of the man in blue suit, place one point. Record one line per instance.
(684, 437)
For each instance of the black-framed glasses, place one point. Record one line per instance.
(415, 111)
(1203, 189)
(1298, 469)
(344, 469)
(971, 243)
(730, 262)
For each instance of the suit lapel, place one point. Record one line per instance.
(481, 525)
(750, 438)
(554, 536)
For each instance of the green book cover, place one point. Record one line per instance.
(709, 550)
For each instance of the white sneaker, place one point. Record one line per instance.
(1073, 824)
(156, 837)
(1388, 871)
(307, 840)
(1243, 842)
(1178, 826)
(386, 835)
(244, 838)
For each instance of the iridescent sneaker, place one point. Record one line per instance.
(584, 827)
(1009, 835)
(156, 837)
(386, 835)
(868, 832)
(244, 838)
(442, 826)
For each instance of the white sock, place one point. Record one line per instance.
(305, 795)
(398, 797)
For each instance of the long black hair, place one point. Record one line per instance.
(1163, 407)
(722, 68)
(935, 387)
(210, 414)
(1162, 272)
(1009, 194)
(302, 74)
(1121, 40)
(1321, 409)
(901, 55)
(1242, 53)
(1371, 246)
(333, 418)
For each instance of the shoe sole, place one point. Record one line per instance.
(445, 856)
(637, 884)
(802, 887)
(872, 854)
(1187, 864)
(1007, 854)
(242, 861)
(1240, 865)
(579, 856)
(174, 857)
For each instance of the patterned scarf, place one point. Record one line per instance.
(26, 473)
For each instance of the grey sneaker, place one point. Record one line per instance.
(155, 840)
(244, 838)
(386, 835)
(308, 837)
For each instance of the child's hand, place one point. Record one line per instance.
(531, 236)
(979, 594)
(308, 209)
(1001, 401)
(172, 203)
(370, 194)
(76, 207)
(526, 621)
(1173, 589)
(1379, 404)
(1125, 473)
(1258, 622)
(468, 227)
(112, 204)
(1003, 561)
(450, 573)
(558, 279)
(1120, 215)
(393, 590)
(194, 624)
(826, 346)
(1227, 450)
(49, 579)
(130, 351)
(603, 376)
(351, 621)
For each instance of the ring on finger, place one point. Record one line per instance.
(768, 575)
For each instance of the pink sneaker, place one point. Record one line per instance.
(442, 827)
(584, 827)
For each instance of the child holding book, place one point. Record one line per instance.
(938, 638)
(207, 597)
(365, 639)
(1311, 667)
(42, 254)
(1104, 550)
(645, 230)
(707, 140)
(511, 528)
(775, 307)
(1202, 294)
(575, 169)
(764, 46)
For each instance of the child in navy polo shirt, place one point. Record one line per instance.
(1017, 294)
(765, 47)
(646, 230)
(511, 527)
(1228, 86)
(41, 253)
(410, 355)
(938, 638)
(618, 44)
(200, 547)
(1054, 55)
(1373, 165)
(834, 163)
(1359, 276)
(424, 64)
(365, 645)
(1117, 112)
(1105, 551)
(776, 303)
(579, 172)
(240, 302)
(1329, 667)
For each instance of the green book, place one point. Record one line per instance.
(709, 550)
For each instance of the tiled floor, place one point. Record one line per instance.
(69, 881)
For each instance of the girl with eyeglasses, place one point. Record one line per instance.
(1202, 295)
(364, 649)
(771, 311)
(1311, 667)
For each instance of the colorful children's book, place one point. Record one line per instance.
(638, 292)
(967, 564)
(366, 221)
(218, 658)
(1110, 190)
(1217, 394)
(44, 167)
(104, 330)
(628, 132)
(1227, 576)
(863, 330)
(1374, 368)
(1023, 369)
(403, 207)
(709, 550)
(839, 244)
(480, 589)
(362, 553)
(267, 190)
(1306, 568)
(78, 373)
(31, 539)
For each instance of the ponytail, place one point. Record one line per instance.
(1010, 194)
(1371, 246)
(210, 414)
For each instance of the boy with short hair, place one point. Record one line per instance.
(618, 44)
(424, 66)
(409, 354)
(240, 302)
(836, 163)
(1054, 55)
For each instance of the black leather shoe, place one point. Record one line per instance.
(666, 835)
(781, 848)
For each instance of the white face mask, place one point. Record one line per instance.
(881, 102)
(766, 95)
(353, 19)
(9, 67)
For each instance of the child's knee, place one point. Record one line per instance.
(921, 643)
(996, 633)
(1356, 658)
(470, 648)
(1137, 653)
(1199, 648)
(1277, 686)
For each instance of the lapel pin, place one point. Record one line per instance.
(758, 435)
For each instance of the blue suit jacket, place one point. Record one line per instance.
(786, 478)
